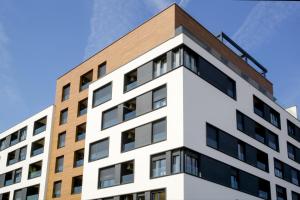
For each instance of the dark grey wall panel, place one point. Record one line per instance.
(144, 103)
(248, 183)
(120, 113)
(169, 61)
(228, 144)
(251, 155)
(145, 73)
(2, 177)
(168, 162)
(117, 174)
(143, 135)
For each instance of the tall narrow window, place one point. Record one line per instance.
(85, 80)
(76, 185)
(263, 189)
(260, 134)
(241, 151)
(18, 176)
(159, 97)
(59, 165)
(110, 118)
(66, 92)
(177, 60)
(23, 134)
(102, 70)
(273, 141)
(61, 140)
(40, 126)
(63, 116)
(78, 158)
(127, 172)
(258, 106)
(82, 107)
(190, 60)
(291, 151)
(80, 132)
(23, 153)
(212, 136)
(294, 176)
(159, 130)
(176, 162)
(102, 94)
(278, 168)
(130, 80)
(56, 189)
(99, 149)
(280, 193)
(240, 121)
(234, 178)
(291, 128)
(275, 118)
(158, 165)
(160, 66)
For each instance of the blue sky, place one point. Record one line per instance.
(41, 40)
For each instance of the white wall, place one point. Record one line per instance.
(25, 164)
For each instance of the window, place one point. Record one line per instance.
(59, 165)
(141, 196)
(32, 193)
(191, 163)
(61, 140)
(158, 195)
(262, 161)
(241, 151)
(291, 128)
(78, 158)
(278, 168)
(263, 189)
(23, 133)
(130, 80)
(66, 92)
(128, 140)
(40, 126)
(159, 97)
(275, 118)
(176, 162)
(126, 197)
(273, 141)
(2, 144)
(76, 185)
(14, 138)
(159, 132)
(280, 193)
(260, 133)
(107, 177)
(18, 195)
(14, 157)
(129, 109)
(37, 147)
(18, 176)
(8, 178)
(11, 158)
(12, 177)
(160, 66)
(258, 106)
(294, 176)
(158, 165)
(23, 152)
(5, 196)
(80, 132)
(102, 95)
(82, 107)
(35, 170)
(63, 116)
(102, 70)
(127, 172)
(99, 150)
(240, 121)
(85, 80)
(291, 151)
(56, 189)
(212, 137)
(190, 60)
(234, 179)
(110, 118)
(295, 196)
(177, 58)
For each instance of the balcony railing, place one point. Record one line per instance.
(37, 151)
(129, 115)
(128, 146)
(33, 197)
(130, 86)
(34, 174)
(127, 178)
(39, 130)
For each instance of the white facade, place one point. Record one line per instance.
(191, 103)
(44, 157)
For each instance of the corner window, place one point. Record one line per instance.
(40, 126)
(76, 185)
(159, 130)
(160, 66)
(63, 116)
(130, 80)
(127, 172)
(128, 140)
(59, 165)
(78, 158)
(102, 95)
(159, 97)
(176, 57)
(37, 147)
(176, 162)
(191, 163)
(99, 150)
(80, 132)
(102, 70)
(82, 107)
(61, 140)
(129, 109)
(190, 60)
(85, 80)
(107, 177)
(35, 170)
(56, 189)
(110, 118)
(66, 92)
(158, 165)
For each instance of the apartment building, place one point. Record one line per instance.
(169, 111)
(24, 158)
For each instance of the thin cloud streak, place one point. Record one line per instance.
(262, 22)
